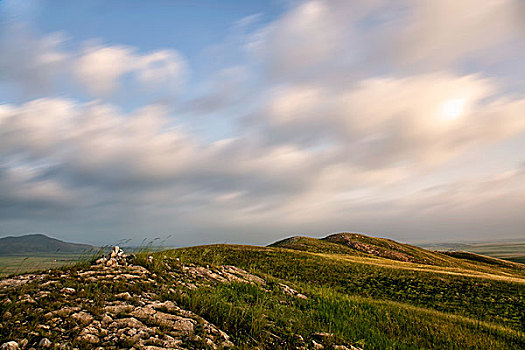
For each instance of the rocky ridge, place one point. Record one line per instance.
(115, 304)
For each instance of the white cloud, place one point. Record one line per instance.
(101, 68)
(354, 104)
(330, 39)
(441, 31)
(165, 68)
(384, 122)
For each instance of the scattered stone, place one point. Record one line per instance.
(68, 290)
(89, 338)
(322, 336)
(19, 280)
(107, 319)
(118, 308)
(10, 345)
(83, 317)
(141, 320)
(292, 292)
(125, 296)
(317, 345)
(28, 299)
(45, 343)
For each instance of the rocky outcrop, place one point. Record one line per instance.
(131, 318)
(115, 304)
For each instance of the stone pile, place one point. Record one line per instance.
(115, 258)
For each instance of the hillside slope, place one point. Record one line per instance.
(314, 245)
(359, 245)
(39, 243)
(246, 297)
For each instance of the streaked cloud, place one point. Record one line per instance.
(339, 116)
(101, 68)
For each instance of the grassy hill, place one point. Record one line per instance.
(359, 245)
(39, 243)
(300, 292)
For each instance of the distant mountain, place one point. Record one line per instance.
(39, 243)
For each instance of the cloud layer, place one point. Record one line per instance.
(356, 118)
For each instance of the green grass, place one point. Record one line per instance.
(314, 245)
(487, 299)
(359, 245)
(467, 302)
(18, 264)
(375, 306)
(258, 317)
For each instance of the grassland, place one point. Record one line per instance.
(460, 301)
(17, 264)
(374, 303)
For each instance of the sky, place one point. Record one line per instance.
(197, 122)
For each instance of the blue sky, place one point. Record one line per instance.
(248, 121)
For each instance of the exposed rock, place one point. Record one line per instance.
(139, 317)
(317, 346)
(322, 336)
(292, 292)
(118, 308)
(19, 280)
(66, 311)
(68, 290)
(125, 296)
(83, 317)
(45, 343)
(10, 345)
(130, 322)
(28, 299)
(89, 338)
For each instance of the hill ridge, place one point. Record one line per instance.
(358, 244)
(40, 243)
(246, 297)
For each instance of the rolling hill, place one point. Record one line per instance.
(345, 291)
(359, 245)
(39, 243)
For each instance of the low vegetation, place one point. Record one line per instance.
(300, 293)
